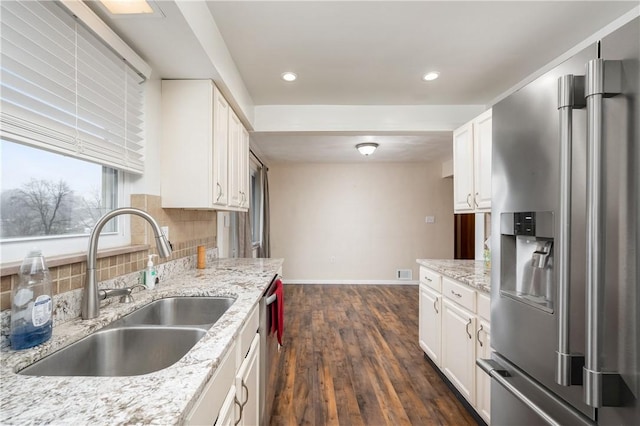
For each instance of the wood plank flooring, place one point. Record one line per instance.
(350, 356)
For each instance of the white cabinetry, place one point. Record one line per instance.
(472, 165)
(430, 317)
(214, 396)
(232, 395)
(248, 385)
(458, 348)
(203, 151)
(454, 330)
(238, 163)
(222, 112)
(483, 350)
(235, 144)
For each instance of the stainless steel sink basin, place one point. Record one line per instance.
(149, 339)
(172, 311)
(130, 351)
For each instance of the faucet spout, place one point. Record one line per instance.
(90, 299)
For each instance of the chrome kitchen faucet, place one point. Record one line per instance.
(90, 299)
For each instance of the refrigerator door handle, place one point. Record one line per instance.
(570, 97)
(604, 79)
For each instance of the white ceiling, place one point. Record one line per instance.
(370, 53)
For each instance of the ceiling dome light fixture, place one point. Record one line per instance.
(431, 76)
(289, 76)
(366, 148)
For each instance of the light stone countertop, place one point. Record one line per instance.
(163, 397)
(473, 273)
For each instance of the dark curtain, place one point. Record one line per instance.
(265, 248)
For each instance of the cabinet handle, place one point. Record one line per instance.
(468, 196)
(475, 200)
(428, 279)
(478, 336)
(219, 191)
(235, 400)
(467, 327)
(456, 294)
(244, 386)
(435, 307)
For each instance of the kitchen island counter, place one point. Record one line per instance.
(162, 397)
(473, 273)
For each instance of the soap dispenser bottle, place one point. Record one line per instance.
(150, 274)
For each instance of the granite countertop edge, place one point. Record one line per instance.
(162, 397)
(474, 273)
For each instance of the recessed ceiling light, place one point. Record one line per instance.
(431, 76)
(289, 76)
(127, 7)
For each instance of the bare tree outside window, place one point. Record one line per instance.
(66, 196)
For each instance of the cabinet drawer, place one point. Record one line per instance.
(484, 306)
(431, 279)
(247, 334)
(459, 293)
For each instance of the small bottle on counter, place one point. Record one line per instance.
(31, 303)
(202, 257)
(150, 274)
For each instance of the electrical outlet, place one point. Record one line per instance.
(430, 219)
(165, 231)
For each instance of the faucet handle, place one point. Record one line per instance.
(127, 297)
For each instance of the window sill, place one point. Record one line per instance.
(12, 268)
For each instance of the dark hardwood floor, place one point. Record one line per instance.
(350, 356)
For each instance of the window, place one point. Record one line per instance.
(47, 195)
(71, 127)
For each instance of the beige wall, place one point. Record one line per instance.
(358, 221)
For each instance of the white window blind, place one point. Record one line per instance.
(64, 90)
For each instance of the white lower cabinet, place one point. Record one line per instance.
(212, 399)
(430, 323)
(483, 381)
(248, 386)
(458, 348)
(231, 397)
(454, 330)
(226, 416)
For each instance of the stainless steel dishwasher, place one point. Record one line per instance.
(268, 362)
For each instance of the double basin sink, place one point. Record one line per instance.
(149, 339)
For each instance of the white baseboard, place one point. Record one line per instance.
(363, 282)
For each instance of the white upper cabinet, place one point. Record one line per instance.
(472, 165)
(221, 114)
(235, 151)
(202, 148)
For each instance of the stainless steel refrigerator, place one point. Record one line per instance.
(565, 315)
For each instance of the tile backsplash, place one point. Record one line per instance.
(187, 230)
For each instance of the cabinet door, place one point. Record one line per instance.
(245, 170)
(483, 381)
(482, 135)
(220, 149)
(235, 148)
(226, 416)
(248, 386)
(186, 147)
(458, 348)
(463, 169)
(430, 321)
